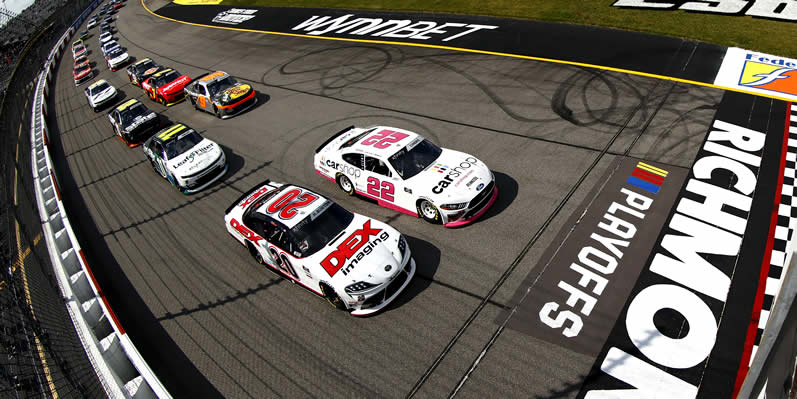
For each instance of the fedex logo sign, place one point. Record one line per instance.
(346, 250)
(776, 9)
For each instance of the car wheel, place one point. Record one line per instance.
(345, 184)
(255, 253)
(428, 211)
(332, 297)
(216, 112)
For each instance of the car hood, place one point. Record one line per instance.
(454, 177)
(233, 94)
(121, 57)
(175, 85)
(196, 159)
(81, 73)
(139, 120)
(366, 251)
(103, 95)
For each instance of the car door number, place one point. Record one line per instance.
(282, 262)
(380, 189)
(202, 102)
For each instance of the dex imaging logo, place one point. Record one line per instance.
(771, 74)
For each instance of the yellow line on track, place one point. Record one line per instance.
(466, 50)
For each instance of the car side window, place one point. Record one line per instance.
(355, 160)
(377, 166)
(157, 148)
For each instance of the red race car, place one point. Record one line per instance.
(82, 73)
(166, 86)
(81, 61)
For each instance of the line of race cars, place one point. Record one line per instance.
(356, 263)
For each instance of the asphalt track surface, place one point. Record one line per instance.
(548, 131)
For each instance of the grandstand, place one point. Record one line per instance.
(17, 29)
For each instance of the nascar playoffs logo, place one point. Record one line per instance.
(234, 16)
(773, 74)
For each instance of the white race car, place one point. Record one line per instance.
(405, 172)
(355, 262)
(116, 58)
(187, 160)
(100, 93)
(105, 37)
(109, 46)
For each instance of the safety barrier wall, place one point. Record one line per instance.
(116, 361)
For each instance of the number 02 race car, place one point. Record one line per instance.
(355, 262)
(220, 94)
(184, 158)
(403, 171)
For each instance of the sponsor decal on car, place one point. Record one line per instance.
(453, 174)
(348, 24)
(234, 16)
(758, 73)
(237, 91)
(193, 154)
(359, 240)
(344, 168)
(775, 9)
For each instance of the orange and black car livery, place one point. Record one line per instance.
(141, 70)
(166, 86)
(220, 94)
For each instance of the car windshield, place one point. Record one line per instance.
(116, 52)
(144, 66)
(181, 144)
(220, 85)
(82, 69)
(97, 89)
(415, 157)
(132, 112)
(316, 230)
(165, 78)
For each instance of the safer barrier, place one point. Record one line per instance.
(120, 368)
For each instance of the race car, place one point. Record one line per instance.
(105, 37)
(100, 93)
(220, 94)
(109, 46)
(357, 263)
(84, 35)
(92, 22)
(79, 51)
(116, 58)
(141, 70)
(133, 122)
(82, 60)
(405, 172)
(184, 158)
(82, 73)
(166, 86)
(78, 42)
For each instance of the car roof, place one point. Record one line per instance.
(211, 77)
(97, 83)
(171, 133)
(390, 148)
(283, 194)
(162, 72)
(125, 105)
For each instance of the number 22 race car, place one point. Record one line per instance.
(403, 171)
(357, 263)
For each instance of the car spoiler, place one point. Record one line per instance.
(329, 140)
(246, 194)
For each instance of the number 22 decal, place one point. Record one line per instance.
(383, 190)
(384, 139)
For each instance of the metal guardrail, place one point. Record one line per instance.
(120, 368)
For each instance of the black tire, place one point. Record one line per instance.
(428, 211)
(332, 297)
(255, 253)
(343, 182)
(216, 111)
